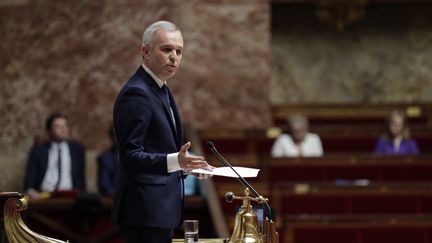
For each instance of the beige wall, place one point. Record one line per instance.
(384, 57)
(74, 56)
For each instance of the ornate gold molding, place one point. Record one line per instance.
(16, 230)
(340, 12)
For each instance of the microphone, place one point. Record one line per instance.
(242, 180)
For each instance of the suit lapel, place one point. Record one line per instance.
(44, 161)
(162, 98)
(179, 129)
(74, 169)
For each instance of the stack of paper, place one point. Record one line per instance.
(228, 172)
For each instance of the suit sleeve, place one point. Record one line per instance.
(82, 171)
(30, 180)
(132, 119)
(104, 176)
(81, 160)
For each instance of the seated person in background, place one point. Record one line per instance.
(299, 142)
(55, 165)
(108, 163)
(396, 139)
(192, 186)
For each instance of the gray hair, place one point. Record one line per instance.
(298, 118)
(149, 33)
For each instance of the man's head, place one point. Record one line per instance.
(57, 127)
(299, 127)
(162, 49)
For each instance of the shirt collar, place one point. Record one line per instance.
(58, 144)
(159, 82)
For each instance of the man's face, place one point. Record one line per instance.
(163, 57)
(299, 131)
(59, 129)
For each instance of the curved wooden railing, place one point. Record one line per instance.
(15, 228)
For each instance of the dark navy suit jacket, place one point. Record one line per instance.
(146, 194)
(108, 164)
(38, 162)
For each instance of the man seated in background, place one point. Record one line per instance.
(55, 165)
(299, 142)
(108, 163)
(396, 139)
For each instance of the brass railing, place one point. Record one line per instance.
(16, 230)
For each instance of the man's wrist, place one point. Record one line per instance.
(173, 162)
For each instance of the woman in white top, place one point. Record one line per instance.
(300, 143)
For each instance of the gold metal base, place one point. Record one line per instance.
(16, 230)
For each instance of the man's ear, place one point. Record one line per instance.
(145, 51)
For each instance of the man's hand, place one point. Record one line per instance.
(33, 195)
(189, 162)
(203, 176)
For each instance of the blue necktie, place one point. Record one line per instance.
(165, 90)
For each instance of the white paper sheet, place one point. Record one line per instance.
(228, 172)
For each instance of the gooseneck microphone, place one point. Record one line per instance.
(242, 180)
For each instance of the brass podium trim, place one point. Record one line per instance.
(16, 230)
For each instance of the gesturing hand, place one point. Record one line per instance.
(190, 162)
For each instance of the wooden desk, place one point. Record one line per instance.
(80, 219)
(87, 219)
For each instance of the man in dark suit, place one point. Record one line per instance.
(108, 164)
(148, 201)
(56, 165)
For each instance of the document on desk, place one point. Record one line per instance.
(228, 172)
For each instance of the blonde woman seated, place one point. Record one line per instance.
(299, 142)
(396, 140)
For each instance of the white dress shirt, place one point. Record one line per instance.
(52, 173)
(284, 146)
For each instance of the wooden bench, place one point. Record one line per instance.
(354, 113)
(351, 202)
(331, 168)
(257, 143)
(358, 229)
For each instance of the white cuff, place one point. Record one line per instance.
(31, 190)
(172, 162)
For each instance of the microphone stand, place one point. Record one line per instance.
(242, 180)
